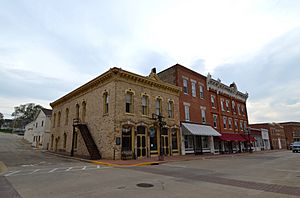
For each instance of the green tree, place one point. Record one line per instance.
(25, 113)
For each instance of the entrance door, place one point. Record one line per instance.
(141, 145)
(165, 141)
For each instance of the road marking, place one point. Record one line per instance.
(53, 170)
(69, 168)
(83, 168)
(14, 172)
(174, 165)
(284, 170)
(36, 170)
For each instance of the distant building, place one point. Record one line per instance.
(28, 134)
(276, 134)
(292, 131)
(213, 115)
(262, 141)
(110, 117)
(7, 124)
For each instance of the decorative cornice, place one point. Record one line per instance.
(118, 72)
(219, 87)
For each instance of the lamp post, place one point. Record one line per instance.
(248, 133)
(159, 119)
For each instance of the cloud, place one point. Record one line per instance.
(271, 78)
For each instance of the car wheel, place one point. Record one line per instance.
(293, 151)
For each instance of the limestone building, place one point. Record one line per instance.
(110, 117)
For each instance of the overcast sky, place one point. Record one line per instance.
(48, 48)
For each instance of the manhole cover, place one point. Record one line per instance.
(145, 185)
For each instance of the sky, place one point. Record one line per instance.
(48, 48)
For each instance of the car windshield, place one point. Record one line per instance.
(296, 144)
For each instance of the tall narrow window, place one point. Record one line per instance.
(42, 123)
(145, 102)
(153, 139)
(174, 139)
(194, 88)
(187, 112)
(222, 104)
(224, 122)
(215, 119)
(213, 102)
(129, 102)
(241, 125)
(158, 106)
(54, 119)
(185, 86)
(75, 140)
(58, 119)
(171, 109)
(233, 106)
(83, 111)
(245, 125)
(239, 109)
(227, 105)
(203, 116)
(77, 111)
(230, 123)
(65, 140)
(236, 127)
(67, 116)
(243, 110)
(52, 139)
(201, 91)
(105, 103)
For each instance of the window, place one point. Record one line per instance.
(189, 142)
(52, 139)
(158, 106)
(145, 102)
(58, 119)
(215, 118)
(245, 125)
(233, 106)
(205, 141)
(153, 139)
(236, 128)
(213, 103)
(230, 123)
(105, 102)
(54, 118)
(225, 122)
(75, 140)
(239, 109)
(222, 104)
(187, 112)
(203, 116)
(77, 111)
(36, 124)
(67, 116)
(201, 92)
(227, 105)
(42, 123)
(174, 139)
(243, 110)
(129, 102)
(65, 140)
(185, 86)
(194, 88)
(241, 125)
(171, 109)
(83, 111)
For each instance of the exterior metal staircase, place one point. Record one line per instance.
(88, 139)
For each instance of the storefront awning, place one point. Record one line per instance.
(232, 137)
(247, 137)
(198, 129)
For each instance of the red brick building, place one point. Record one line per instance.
(276, 134)
(292, 131)
(213, 115)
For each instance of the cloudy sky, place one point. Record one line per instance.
(48, 48)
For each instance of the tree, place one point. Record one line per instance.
(25, 113)
(1, 119)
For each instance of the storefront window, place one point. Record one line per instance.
(153, 139)
(174, 139)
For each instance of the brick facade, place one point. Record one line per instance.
(292, 131)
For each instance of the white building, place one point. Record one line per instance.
(28, 135)
(262, 141)
(41, 129)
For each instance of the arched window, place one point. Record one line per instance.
(129, 102)
(105, 102)
(54, 118)
(52, 139)
(58, 119)
(67, 116)
(83, 111)
(77, 111)
(145, 105)
(158, 106)
(65, 140)
(170, 109)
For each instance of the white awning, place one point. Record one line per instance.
(197, 129)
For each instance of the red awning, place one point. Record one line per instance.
(252, 139)
(232, 137)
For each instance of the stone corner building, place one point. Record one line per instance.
(110, 117)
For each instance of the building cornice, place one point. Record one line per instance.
(115, 72)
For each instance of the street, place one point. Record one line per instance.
(33, 173)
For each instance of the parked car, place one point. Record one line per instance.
(296, 147)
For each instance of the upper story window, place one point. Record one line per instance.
(158, 106)
(203, 115)
(227, 105)
(213, 101)
(245, 125)
(187, 112)
(239, 109)
(105, 102)
(241, 125)
(145, 105)
(222, 104)
(129, 102)
(236, 127)
(243, 110)
(215, 120)
(230, 123)
(36, 124)
(54, 119)
(185, 86)
(83, 113)
(193, 88)
(233, 106)
(58, 118)
(225, 122)
(67, 116)
(171, 109)
(201, 91)
(42, 123)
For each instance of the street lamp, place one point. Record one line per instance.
(159, 119)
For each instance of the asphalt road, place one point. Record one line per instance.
(32, 173)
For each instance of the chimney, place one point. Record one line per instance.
(153, 70)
